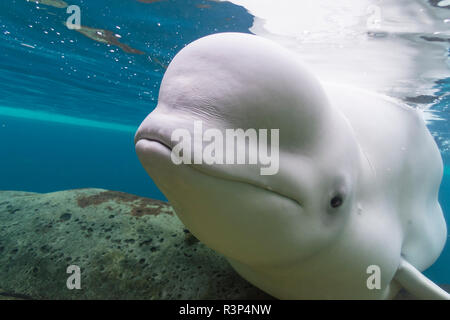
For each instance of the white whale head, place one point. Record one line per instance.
(313, 227)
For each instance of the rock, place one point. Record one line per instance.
(127, 247)
(5, 295)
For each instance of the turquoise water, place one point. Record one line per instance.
(70, 105)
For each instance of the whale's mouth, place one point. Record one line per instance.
(206, 169)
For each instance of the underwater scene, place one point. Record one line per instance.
(351, 199)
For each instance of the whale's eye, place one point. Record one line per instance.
(336, 201)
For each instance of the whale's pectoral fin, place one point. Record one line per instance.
(417, 284)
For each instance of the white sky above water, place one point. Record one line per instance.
(331, 37)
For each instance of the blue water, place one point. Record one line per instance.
(95, 95)
(69, 106)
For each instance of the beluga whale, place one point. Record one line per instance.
(351, 211)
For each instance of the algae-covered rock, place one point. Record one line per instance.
(127, 247)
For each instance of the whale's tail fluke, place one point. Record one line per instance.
(417, 284)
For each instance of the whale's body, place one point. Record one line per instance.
(280, 232)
